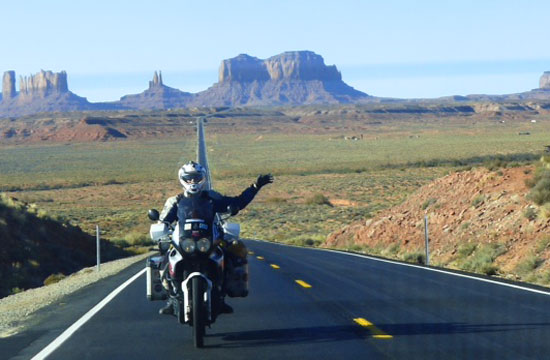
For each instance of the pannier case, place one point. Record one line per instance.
(155, 290)
(236, 274)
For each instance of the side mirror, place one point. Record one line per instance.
(153, 214)
(233, 209)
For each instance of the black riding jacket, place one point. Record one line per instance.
(205, 205)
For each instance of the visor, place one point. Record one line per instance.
(193, 178)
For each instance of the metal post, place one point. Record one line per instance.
(427, 240)
(98, 252)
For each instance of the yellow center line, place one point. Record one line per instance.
(303, 284)
(259, 257)
(251, 253)
(275, 266)
(376, 332)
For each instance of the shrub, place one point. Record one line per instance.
(121, 243)
(495, 164)
(530, 182)
(356, 248)
(478, 200)
(529, 264)
(540, 193)
(545, 277)
(137, 239)
(482, 258)
(391, 250)
(545, 211)
(530, 213)
(318, 199)
(415, 257)
(303, 240)
(112, 182)
(426, 204)
(466, 249)
(16, 290)
(275, 200)
(53, 278)
(489, 269)
(540, 185)
(465, 225)
(542, 244)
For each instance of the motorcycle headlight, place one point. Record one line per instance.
(204, 245)
(188, 246)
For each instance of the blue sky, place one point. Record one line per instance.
(384, 48)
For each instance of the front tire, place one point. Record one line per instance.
(197, 290)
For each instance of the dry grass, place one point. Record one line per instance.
(113, 184)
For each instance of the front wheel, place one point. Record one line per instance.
(198, 311)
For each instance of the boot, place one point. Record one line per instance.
(225, 308)
(168, 309)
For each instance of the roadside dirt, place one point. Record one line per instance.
(17, 308)
(470, 208)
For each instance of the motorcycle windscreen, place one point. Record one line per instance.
(195, 208)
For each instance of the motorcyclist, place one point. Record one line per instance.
(197, 202)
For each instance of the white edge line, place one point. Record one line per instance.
(74, 327)
(542, 292)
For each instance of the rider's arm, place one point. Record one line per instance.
(170, 211)
(221, 202)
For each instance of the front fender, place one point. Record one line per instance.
(187, 295)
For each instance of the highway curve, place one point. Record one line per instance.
(355, 307)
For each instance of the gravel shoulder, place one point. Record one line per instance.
(16, 309)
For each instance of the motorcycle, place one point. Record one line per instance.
(196, 268)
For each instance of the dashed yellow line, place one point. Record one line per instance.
(251, 253)
(303, 284)
(275, 266)
(376, 332)
(260, 257)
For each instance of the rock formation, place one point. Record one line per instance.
(43, 84)
(8, 85)
(301, 65)
(157, 80)
(157, 96)
(243, 68)
(291, 78)
(43, 92)
(544, 82)
(292, 65)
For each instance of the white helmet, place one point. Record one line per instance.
(192, 177)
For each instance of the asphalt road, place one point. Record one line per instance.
(354, 307)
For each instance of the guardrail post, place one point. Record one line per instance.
(98, 250)
(427, 239)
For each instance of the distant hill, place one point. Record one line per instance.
(34, 246)
(293, 78)
(157, 96)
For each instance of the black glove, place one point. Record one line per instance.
(263, 180)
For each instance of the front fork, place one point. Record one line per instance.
(187, 296)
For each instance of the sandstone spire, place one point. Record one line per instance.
(544, 82)
(157, 80)
(8, 85)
